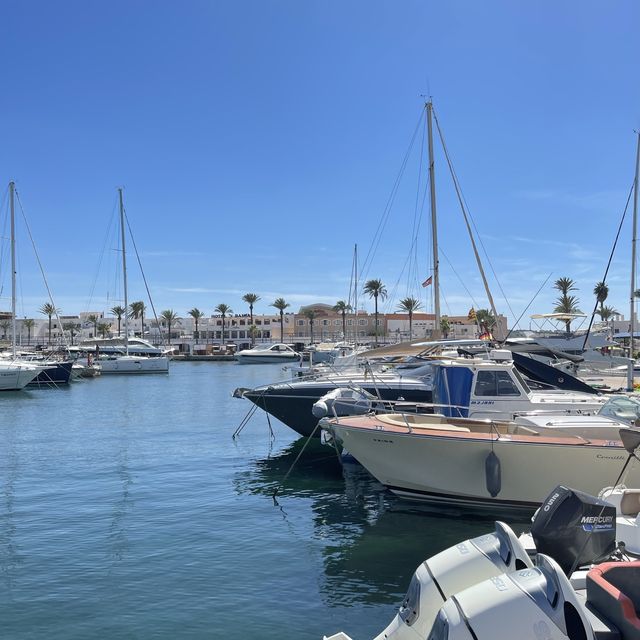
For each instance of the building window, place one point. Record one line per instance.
(301, 323)
(337, 323)
(362, 322)
(325, 323)
(350, 322)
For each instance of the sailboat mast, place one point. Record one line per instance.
(633, 250)
(434, 224)
(355, 294)
(124, 275)
(12, 189)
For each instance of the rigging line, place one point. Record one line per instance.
(101, 258)
(606, 272)
(44, 277)
(144, 279)
(525, 310)
(467, 216)
(417, 211)
(464, 286)
(378, 234)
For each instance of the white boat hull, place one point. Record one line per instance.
(134, 364)
(267, 359)
(17, 376)
(446, 470)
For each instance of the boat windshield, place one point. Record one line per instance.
(521, 380)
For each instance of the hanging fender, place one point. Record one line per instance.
(493, 474)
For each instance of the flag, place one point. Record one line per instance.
(472, 314)
(428, 281)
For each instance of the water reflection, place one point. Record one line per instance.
(9, 554)
(117, 537)
(371, 542)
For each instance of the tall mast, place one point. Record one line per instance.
(12, 188)
(124, 276)
(355, 294)
(434, 224)
(633, 249)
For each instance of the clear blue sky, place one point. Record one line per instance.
(258, 141)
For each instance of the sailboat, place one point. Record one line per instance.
(128, 362)
(15, 374)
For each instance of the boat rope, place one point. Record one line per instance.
(144, 279)
(525, 310)
(377, 238)
(293, 464)
(244, 421)
(606, 271)
(44, 277)
(467, 216)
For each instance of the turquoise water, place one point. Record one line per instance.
(128, 511)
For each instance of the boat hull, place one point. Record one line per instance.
(55, 373)
(293, 405)
(266, 359)
(15, 377)
(452, 470)
(134, 364)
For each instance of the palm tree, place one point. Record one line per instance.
(29, 323)
(375, 289)
(136, 310)
(445, 326)
(196, 314)
(251, 299)
(486, 320)
(281, 305)
(72, 328)
(606, 313)
(171, 318)
(103, 328)
(601, 292)
(566, 304)
(223, 310)
(311, 315)
(93, 319)
(118, 311)
(409, 305)
(5, 324)
(342, 308)
(48, 310)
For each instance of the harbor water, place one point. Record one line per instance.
(128, 511)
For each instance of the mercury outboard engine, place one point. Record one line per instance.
(451, 571)
(574, 528)
(531, 604)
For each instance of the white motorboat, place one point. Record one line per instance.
(494, 388)
(117, 345)
(483, 465)
(268, 354)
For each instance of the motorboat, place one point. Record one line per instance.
(494, 388)
(292, 401)
(574, 584)
(268, 354)
(117, 345)
(482, 465)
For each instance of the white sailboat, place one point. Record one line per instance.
(127, 362)
(15, 374)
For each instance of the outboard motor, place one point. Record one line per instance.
(531, 604)
(451, 571)
(343, 402)
(574, 528)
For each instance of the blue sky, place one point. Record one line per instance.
(259, 141)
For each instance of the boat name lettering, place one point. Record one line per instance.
(380, 440)
(596, 520)
(603, 457)
(550, 502)
(482, 402)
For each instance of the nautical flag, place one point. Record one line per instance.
(428, 281)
